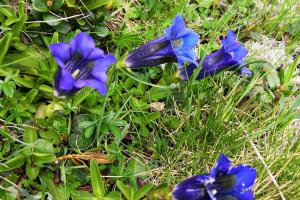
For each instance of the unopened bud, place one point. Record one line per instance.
(49, 3)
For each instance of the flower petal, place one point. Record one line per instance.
(61, 51)
(229, 57)
(64, 79)
(82, 44)
(186, 56)
(234, 48)
(187, 39)
(100, 87)
(229, 41)
(96, 53)
(193, 188)
(101, 76)
(245, 177)
(244, 71)
(176, 29)
(239, 54)
(222, 166)
(190, 40)
(103, 64)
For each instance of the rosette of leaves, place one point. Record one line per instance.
(51, 12)
(95, 12)
(85, 15)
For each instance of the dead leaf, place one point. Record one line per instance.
(98, 157)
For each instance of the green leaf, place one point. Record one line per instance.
(93, 4)
(8, 135)
(133, 12)
(82, 195)
(294, 28)
(31, 95)
(97, 182)
(295, 103)
(71, 3)
(5, 147)
(55, 38)
(78, 141)
(51, 19)
(52, 61)
(113, 196)
(43, 146)
(8, 89)
(15, 162)
(24, 82)
(41, 158)
(29, 61)
(46, 74)
(115, 130)
(20, 46)
(81, 96)
(102, 31)
(32, 171)
(157, 93)
(40, 5)
(10, 20)
(4, 45)
(63, 27)
(85, 124)
(153, 116)
(30, 135)
(45, 88)
(273, 79)
(143, 191)
(134, 167)
(57, 4)
(51, 136)
(126, 191)
(19, 25)
(21, 8)
(88, 132)
(58, 192)
(6, 11)
(290, 72)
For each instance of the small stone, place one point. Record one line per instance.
(157, 106)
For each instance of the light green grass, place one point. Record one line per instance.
(243, 118)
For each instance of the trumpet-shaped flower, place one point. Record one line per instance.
(230, 56)
(80, 64)
(224, 182)
(177, 45)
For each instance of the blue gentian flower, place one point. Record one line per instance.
(81, 64)
(230, 56)
(177, 45)
(224, 182)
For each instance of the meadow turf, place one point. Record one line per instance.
(154, 127)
